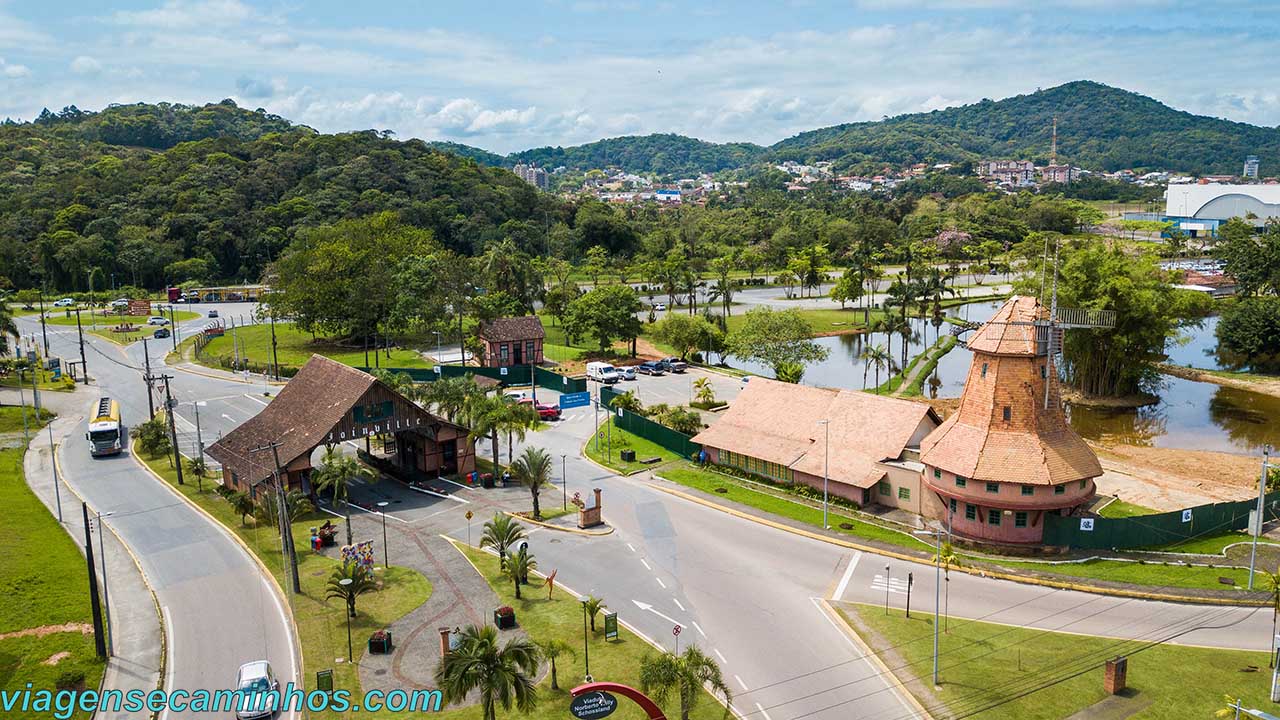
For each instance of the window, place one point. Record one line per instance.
(904, 493)
(984, 369)
(1019, 519)
(529, 351)
(961, 482)
(1008, 415)
(953, 505)
(937, 473)
(1059, 489)
(1084, 483)
(970, 512)
(884, 488)
(504, 352)
(993, 487)
(1028, 490)
(1043, 371)
(993, 516)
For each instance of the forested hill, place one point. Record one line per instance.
(664, 154)
(1099, 127)
(218, 191)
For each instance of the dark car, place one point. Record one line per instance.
(160, 333)
(651, 368)
(674, 364)
(213, 313)
(545, 412)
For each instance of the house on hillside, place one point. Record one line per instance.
(512, 341)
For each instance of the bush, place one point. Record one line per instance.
(152, 437)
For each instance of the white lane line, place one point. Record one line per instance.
(848, 573)
(464, 487)
(839, 631)
(744, 685)
(228, 417)
(664, 585)
(763, 714)
(433, 493)
(719, 655)
(677, 602)
(168, 639)
(257, 399)
(631, 547)
(698, 627)
(646, 565)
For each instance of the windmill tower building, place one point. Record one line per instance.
(1008, 456)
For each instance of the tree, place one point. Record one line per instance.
(243, 506)
(789, 372)
(1249, 333)
(296, 505)
(704, 392)
(517, 419)
(1271, 583)
(949, 558)
(684, 333)
(533, 469)
(682, 420)
(152, 437)
(774, 338)
(551, 650)
(450, 396)
(518, 567)
(848, 288)
(606, 313)
(502, 533)
(723, 268)
(627, 401)
(362, 581)
(335, 474)
(485, 415)
(594, 605)
(686, 674)
(502, 675)
(1252, 259)
(874, 356)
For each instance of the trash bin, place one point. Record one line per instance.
(628, 455)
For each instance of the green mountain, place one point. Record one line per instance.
(664, 154)
(484, 157)
(1099, 127)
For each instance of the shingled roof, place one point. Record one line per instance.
(778, 422)
(1009, 331)
(513, 329)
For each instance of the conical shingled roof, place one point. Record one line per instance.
(1010, 332)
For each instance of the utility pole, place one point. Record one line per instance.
(275, 360)
(53, 463)
(199, 447)
(286, 533)
(170, 406)
(826, 464)
(106, 594)
(23, 402)
(174, 323)
(1261, 511)
(84, 367)
(151, 401)
(95, 606)
(43, 331)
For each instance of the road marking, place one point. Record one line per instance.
(719, 655)
(464, 487)
(677, 602)
(650, 608)
(664, 585)
(763, 714)
(257, 399)
(895, 586)
(833, 624)
(168, 639)
(744, 685)
(848, 573)
(646, 565)
(631, 547)
(698, 627)
(433, 493)
(228, 417)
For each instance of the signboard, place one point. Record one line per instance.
(1086, 524)
(610, 626)
(593, 705)
(324, 680)
(502, 371)
(1186, 515)
(573, 400)
(619, 412)
(139, 307)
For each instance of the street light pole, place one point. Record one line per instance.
(1262, 497)
(386, 555)
(564, 481)
(199, 446)
(95, 605)
(345, 582)
(826, 467)
(53, 462)
(106, 596)
(586, 649)
(937, 592)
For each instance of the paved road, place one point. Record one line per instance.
(218, 609)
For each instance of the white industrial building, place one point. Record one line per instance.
(1198, 209)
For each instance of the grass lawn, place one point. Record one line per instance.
(43, 577)
(65, 384)
(707, 481)
(623, 440)
(322, 625)
(993, 671)
(561, 618)
(1154, 572)
(1212, 544)
(108, 320)
(1122, 509)
(294, 347)
(823, 322)
(11, 419)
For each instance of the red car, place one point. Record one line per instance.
(545, 412)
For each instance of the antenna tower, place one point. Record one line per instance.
(1053, 149)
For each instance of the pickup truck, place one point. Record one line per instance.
(674, 364)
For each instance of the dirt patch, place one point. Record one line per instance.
(55, 658)
(1266, 385)
(82, 628)
(1164, 479)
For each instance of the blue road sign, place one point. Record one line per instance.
(573, 400)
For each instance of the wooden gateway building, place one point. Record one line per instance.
(512, 341)
(328, 403)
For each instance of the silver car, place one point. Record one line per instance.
(255, 682)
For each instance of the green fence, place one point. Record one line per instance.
(661, 435)
(1154, 530)
(515, 375)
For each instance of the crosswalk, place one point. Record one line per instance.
(895, 586)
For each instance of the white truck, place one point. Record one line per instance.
(602, 372)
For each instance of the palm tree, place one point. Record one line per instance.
(627, 401)
(335, 474)
(518, 567)
(949, 558)
(687, 674)
(484, 415)
(517, 419)
(533, 469)
(502, 533)
(503, 675)
(594, 606)
(1271, 583)
(788, 372)
(874, 356)
(399, 382)
(243, 505)
(296, 504)
(450, 396)
(7, 328)
(361, 582)
(704, 392)
(552, 649)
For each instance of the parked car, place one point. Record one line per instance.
(120, 303)
(627, 373)
(255, 681)
(157, 320)
(545, 411)
(674, 364)
(160, 333)
(517, 395)
(213, 313)
(64, 302)
(602, 372)
(651, 368)
(659, 306)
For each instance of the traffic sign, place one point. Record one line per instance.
(469, 515)
(573, 400)
(676, 631)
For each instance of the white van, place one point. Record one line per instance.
(602, 372)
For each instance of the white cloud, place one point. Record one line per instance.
(185, 14)
(13, 71)
(85, 65)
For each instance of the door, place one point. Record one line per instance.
(449, 457)
(519, 356)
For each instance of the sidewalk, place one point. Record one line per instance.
(136, 634)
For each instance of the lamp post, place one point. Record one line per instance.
(586, 650)
(937, 592)
(346, 582)
(106, 596)
(386, 561)
(437, 334)
(564, 482)
(1261, 512)
(826, 465)
(199, 445)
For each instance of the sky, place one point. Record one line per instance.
(507, 76)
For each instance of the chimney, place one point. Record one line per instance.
(597, 492)
(444, 641)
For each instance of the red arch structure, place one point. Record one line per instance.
(650, 707)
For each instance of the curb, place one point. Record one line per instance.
(281, 596)
(549, 526)
(996, 574)
(869, 654)
(225, 378)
